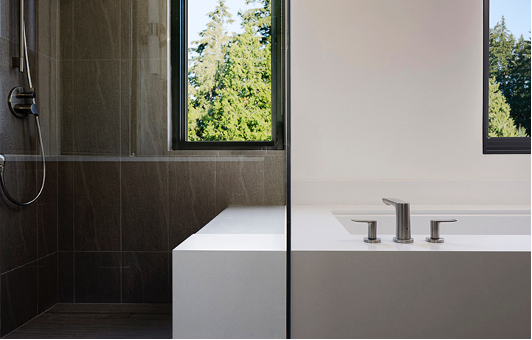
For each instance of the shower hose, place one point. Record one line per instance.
(2, 158)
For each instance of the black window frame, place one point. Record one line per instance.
(496, 145)
(179, 83)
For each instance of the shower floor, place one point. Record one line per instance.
(99, 321)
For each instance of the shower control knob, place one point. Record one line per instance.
(30, 94)
(372, 231)
(435, 231)
(26, 109)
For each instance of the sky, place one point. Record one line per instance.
(197, 15)
(516, 15)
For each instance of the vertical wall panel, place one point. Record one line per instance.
(28, 235)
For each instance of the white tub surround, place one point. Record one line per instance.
(470, 286)
(229, 279)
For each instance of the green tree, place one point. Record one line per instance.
(260, 19)
(500, 122)
(518, 95)
(509, 67)
(206, 68)
(501, 42)
(240, 108)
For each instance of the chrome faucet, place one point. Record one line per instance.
(402, 217)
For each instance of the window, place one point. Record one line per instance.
(506, 128)
(228, 88)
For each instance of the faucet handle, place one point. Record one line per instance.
(372, 231)
(435, 231)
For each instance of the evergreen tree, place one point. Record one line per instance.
(206, 68)
(501, 42)
(240, 107)
(260, 19)
(519, 84)
(509, 67)
(500, 122)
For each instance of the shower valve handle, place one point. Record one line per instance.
(435, 231)
(30, 94)
(372, 231)
(25, 109)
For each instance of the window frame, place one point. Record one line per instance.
(495, 145)
(179, 83)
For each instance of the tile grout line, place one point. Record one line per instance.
(120, 149)
(72, 37)
(27, 263)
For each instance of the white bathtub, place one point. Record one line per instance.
(471, 220)
(474, 285)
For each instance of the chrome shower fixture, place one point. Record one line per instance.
(18, 102)
(21, 103)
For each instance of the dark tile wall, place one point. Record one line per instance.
(97, 278)
(140, 265)
(120, 220)
(124, 200)
(28, 235)
(19, 296)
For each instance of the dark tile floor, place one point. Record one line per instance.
(99, 321)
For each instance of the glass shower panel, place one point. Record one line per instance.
(176, 199)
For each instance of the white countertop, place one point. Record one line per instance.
(234, 242)
(315, 228)
(249, 228)
(248, 220)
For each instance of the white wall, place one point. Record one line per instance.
(387, 101)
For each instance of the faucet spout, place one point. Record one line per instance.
(402, 217)
(393, 201)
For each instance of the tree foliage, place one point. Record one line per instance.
(230, 78)
(229, 92)
(519, 84)
(500, 122)
(509, 69)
